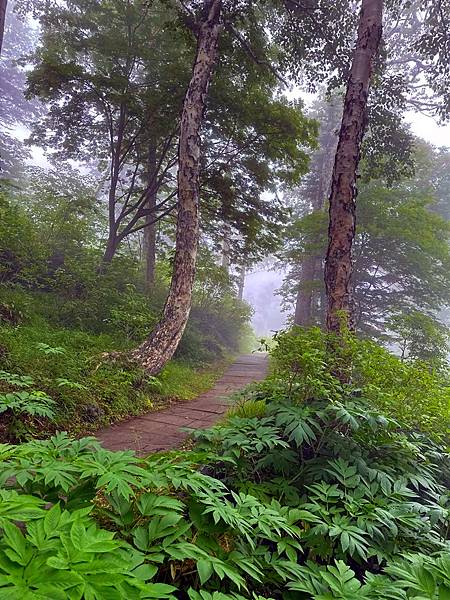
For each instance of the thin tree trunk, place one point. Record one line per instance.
(153, 354)
(241, 282)
(3, 5)
(226, 248)
(341, 230)
(303, 306)
(113, 241)
(150, 229)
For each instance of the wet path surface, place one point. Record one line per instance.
(161, 430)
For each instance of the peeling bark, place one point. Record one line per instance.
(341, 230)
(153, 354)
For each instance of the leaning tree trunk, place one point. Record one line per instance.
(341, 230)
(153, 354)
(3, 5)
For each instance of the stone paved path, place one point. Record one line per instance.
(160, 430)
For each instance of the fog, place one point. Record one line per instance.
(262, 284)
(260, 291)
(263, 281)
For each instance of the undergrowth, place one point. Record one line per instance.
(308, 491)
(86, 391)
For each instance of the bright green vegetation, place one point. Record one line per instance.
(60, 319)
(172, 126)
(313, 493)
(84, 387)
(109, 390)
(411, 391)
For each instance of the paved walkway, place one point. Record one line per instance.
(160, 430)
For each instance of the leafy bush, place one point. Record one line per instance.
(307, 497)
(20, 403)
(290, 494)
(86, 390)
(54, 277)
(31, 403)
(420, 336)
(409, 390)
(168, 517)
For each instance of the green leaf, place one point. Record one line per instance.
(205, 570)
(51, 519)
(78, 534)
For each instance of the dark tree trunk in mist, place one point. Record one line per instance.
(154, 353)
(341, 231)
(304, 303)
(241, 282)
(312, 264)
(226, 248)
(3, 5)
(113, 241)
(150, 229)
(110, 251)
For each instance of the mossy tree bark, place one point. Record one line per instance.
(159, 348)
(341, 231)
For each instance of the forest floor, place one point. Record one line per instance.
(162, 430)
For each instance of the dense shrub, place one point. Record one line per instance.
(87, 390)
(52, 292)
(55, 276)
(313, 494)
(409, 390)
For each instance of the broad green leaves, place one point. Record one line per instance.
(325, 498)
(30, 403)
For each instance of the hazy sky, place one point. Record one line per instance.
(428, 129)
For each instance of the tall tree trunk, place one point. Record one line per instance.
(3, 5)
(341, 230)
(116, 147)
(303, 306)
(164, 339)
(110, 250)
(311, 266)
(150, 229)
(241, 282)
(226, 248)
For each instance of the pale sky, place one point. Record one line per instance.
(428, 129)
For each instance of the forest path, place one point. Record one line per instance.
(161, 430)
